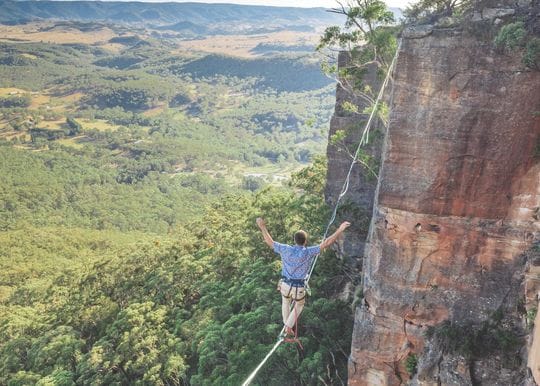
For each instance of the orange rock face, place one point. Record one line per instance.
(456, 211)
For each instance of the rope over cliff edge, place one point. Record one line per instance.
(363, 140)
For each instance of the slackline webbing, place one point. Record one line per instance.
(363, 140)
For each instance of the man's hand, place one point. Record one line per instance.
(260, 222)
(344, 225)
(267, 238)
(330, 240)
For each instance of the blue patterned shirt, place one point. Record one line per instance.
(295, 259)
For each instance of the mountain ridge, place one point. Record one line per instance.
(161, 13)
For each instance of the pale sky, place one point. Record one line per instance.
(289, 3)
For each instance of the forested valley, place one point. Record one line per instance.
(138, 149)
(132, 174)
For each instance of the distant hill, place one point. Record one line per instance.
(304, 76)
(197, 17)
(183, 26)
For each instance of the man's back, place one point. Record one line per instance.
(296, 259)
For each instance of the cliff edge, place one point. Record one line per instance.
(450, 272)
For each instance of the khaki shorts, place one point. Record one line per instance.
(297, 294)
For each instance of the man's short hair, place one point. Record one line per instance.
(300, 237)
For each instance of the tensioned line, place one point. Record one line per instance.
(344, 189)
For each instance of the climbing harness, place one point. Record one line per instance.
(363, 140)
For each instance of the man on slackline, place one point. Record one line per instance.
(295, 264)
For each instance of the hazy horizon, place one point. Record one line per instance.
(272, 3)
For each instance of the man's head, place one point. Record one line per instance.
(300, 238)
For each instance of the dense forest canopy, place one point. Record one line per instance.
(133, 168)
(196, 306)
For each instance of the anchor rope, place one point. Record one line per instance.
(364, 139)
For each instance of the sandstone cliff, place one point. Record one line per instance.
(357, 204)
(450, 274)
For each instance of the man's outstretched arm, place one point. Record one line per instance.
(330, 240)
(267, 238)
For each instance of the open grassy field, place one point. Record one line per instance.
(44, 98)
(6, 91)
(235, 45)
(97, 124)
(244, 45)
(71, 142)
(46, 32)
(236, 172)
(155, 111)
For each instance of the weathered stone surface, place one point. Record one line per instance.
(534, 356)
(457, 207)
(445, 22)
(524, 3)
(417, 32)
(492, 13)
(360, 196)
(532, 305)
(454, 371)
(477, 16)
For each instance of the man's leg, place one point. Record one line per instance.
(285, 301)
(299, 295)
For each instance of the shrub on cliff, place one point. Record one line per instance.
(531, 58)
(511, 36)
(369, 38)
(516, 37)
(433, 9)
(368, 35)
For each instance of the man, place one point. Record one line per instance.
(296, 261)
